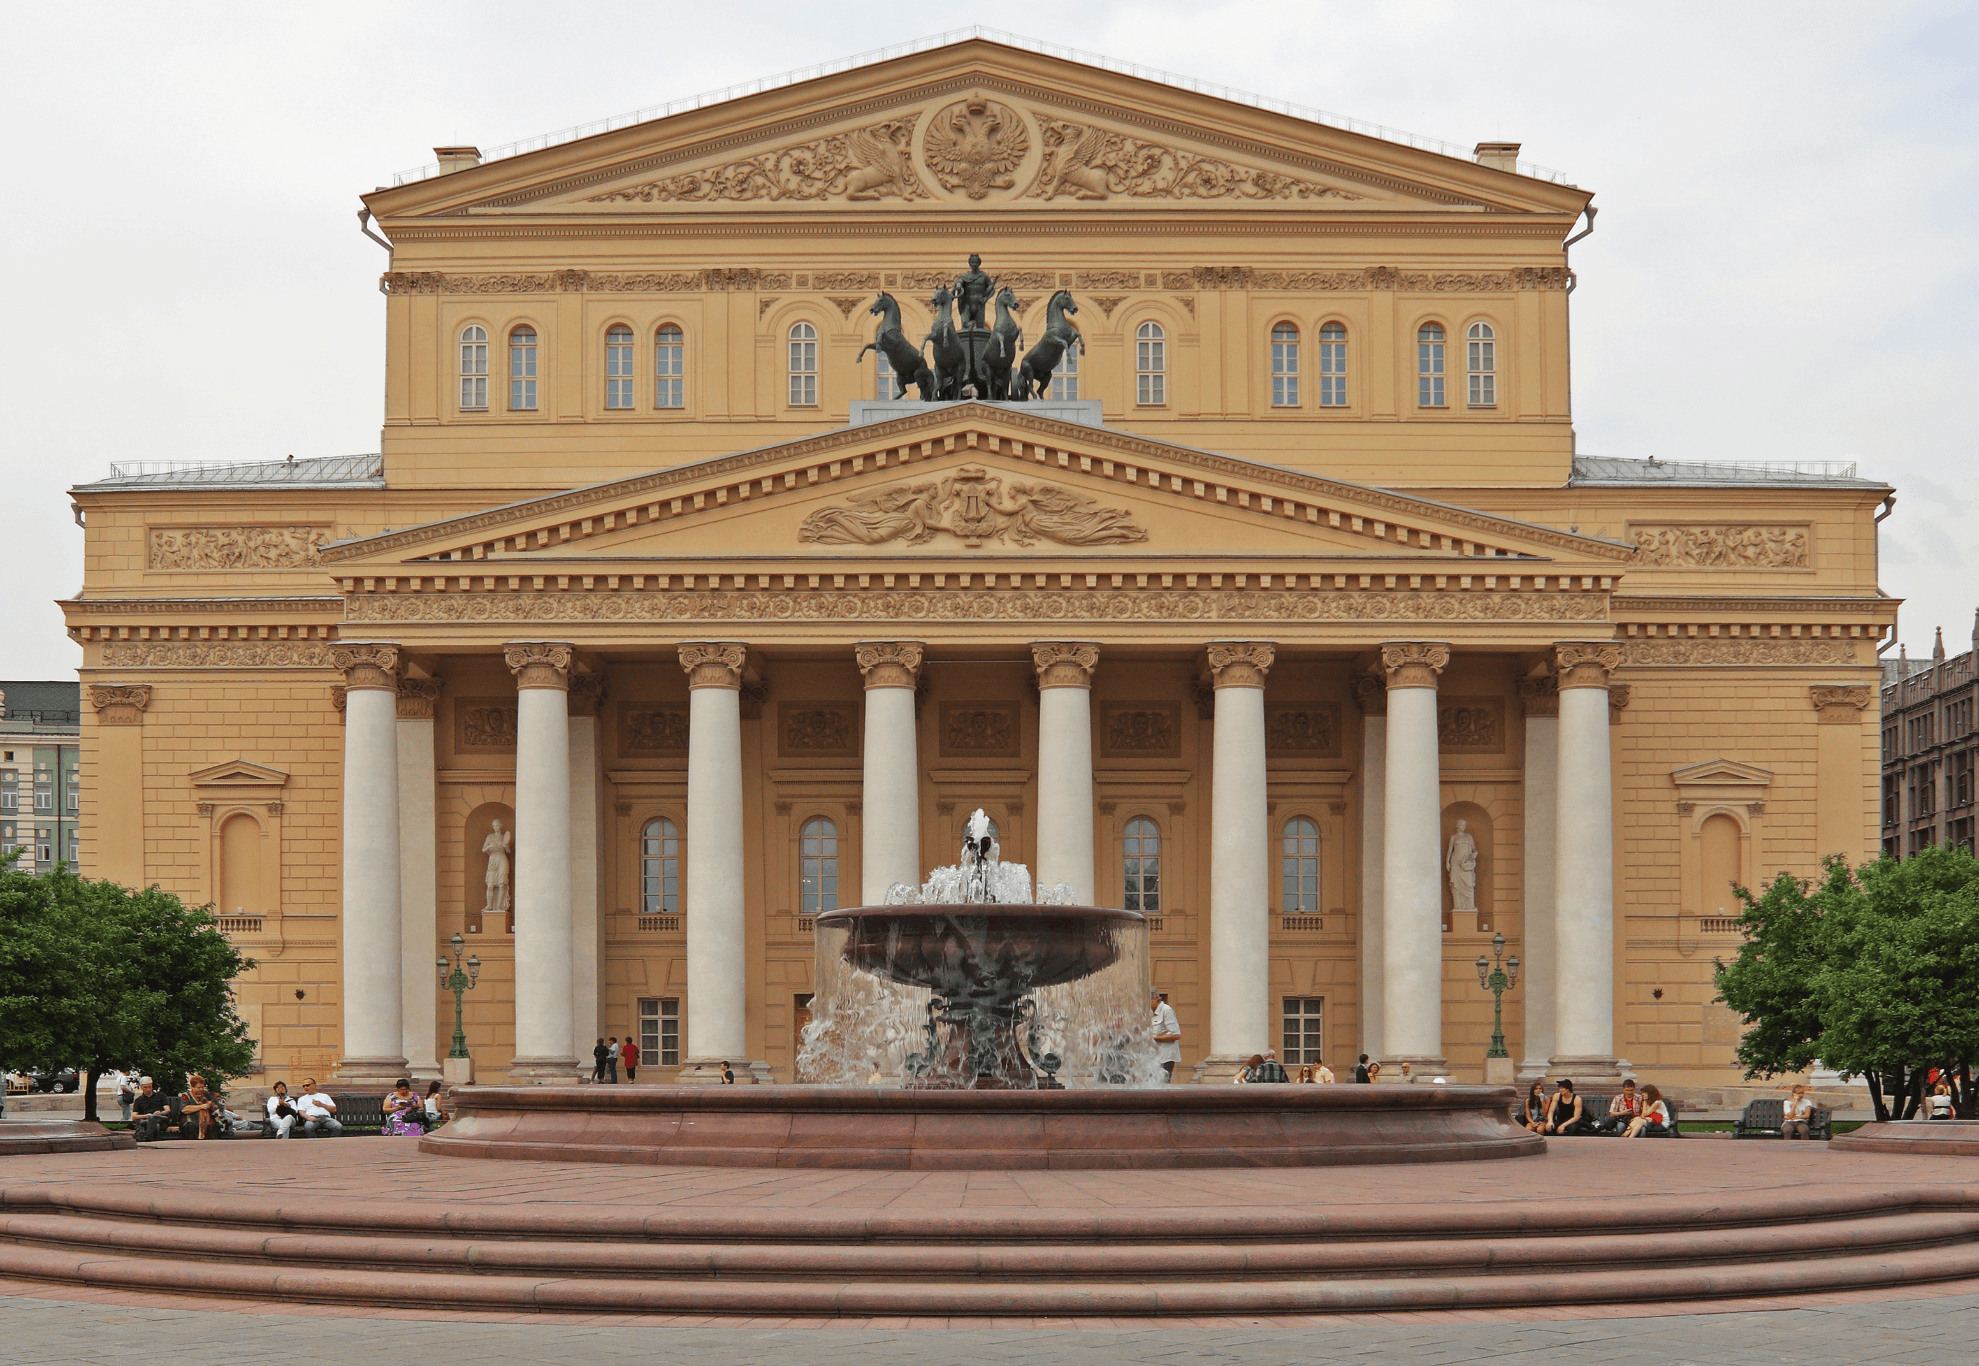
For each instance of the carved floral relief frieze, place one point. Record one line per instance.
(219, 655)
(871, 163)
(235, 547)
(1722, 546)
(1084, 161)
(1686, 652)
(974, 506)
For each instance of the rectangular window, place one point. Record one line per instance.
(659, 1031)
(1332, 366)
(1065, 379)
(1429, 372)
(1305, 1033)
(1284, 368)
(522, 370)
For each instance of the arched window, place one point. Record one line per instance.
(618, 367)
(1140, 854)
(522, 370)
(1065, 379)
(1481, 364)
(803, 366)
(817, 853)
(1284, 366)
(669, 368)
(1150, 365)
(1333, 366)
(882, 377)
(1429, 366)
(1301, 867)
(241, 889)
(474, 368)
(659, 868)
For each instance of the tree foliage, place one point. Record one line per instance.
(1875, 972)
(94, 975)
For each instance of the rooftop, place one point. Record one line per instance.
(330, 471)
(963, 35)
(33, 703)
(1618, 470)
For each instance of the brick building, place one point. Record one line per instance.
(1930, 747)
(40, 762)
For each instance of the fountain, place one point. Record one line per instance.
(968, 1024)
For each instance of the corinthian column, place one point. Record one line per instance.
(890, 841)
(1239, 861)
(717, 961)
(374, 1041)
(1541, 697)
(419, 875)
(1065, 764)
(1584, 869)
(587, 806)
(542, 863)
(1412, 863)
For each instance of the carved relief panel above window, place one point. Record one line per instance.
(234, 547)
(818, 730)
(485, 725)
(1309, 729)
(1140, 730)
(1470, 725)
(651, 730)
(979, 730)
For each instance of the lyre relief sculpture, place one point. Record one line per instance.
(975, 506)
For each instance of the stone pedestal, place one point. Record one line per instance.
(457, 1071)
(1499, 1072)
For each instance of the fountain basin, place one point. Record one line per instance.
(887, 1128)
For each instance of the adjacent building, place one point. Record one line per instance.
(1930, 746)
(41, 773)
(1301, 624)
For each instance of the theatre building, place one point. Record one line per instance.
(1283, 610)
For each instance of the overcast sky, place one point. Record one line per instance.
(1784, 268)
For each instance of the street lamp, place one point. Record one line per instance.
(460, 983)
(1493, 976)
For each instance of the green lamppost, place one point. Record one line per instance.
(1495, 978)
(460, 983)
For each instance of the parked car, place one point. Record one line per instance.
(62, 1083)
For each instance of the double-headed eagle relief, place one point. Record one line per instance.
(976, 359)
(974, 506)
(976, 145)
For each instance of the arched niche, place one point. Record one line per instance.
(243, 870)
(1721, 863)
(1478, 825)
(474, 887)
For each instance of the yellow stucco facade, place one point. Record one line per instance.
(597, 490)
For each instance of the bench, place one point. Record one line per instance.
(1763, 1118)
(1594, 1106)
(357, 1111)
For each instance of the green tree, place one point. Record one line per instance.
(1771, 982)
(94, 975)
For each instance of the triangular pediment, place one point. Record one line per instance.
(974, 126)
(980, 481)
(238, 773)
(1721, 773)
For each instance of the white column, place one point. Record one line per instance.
(1542, 775)
(1239, 861)
(1584, 869)
(419, 874)
(1065, 765)
(542, 864)
(372, 999)
(890, 798)
(587, 815)
(1373, 695)
(1412, 864)
(717, 951)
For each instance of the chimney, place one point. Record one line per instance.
(1938, 651)
(1499, 156)
(1975, 630)
(461, 158)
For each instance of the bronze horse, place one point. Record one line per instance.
(951, 358)
(1011, 336)
(908, 363)
(1060, 337)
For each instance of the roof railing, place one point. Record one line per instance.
(963, 35)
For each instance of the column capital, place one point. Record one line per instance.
(1371, 692)
(417, 697)
(1838, 704)
(889, 663)
(1065, 663)
(1586, 664)
(539, 663)
(1541, 695)
(1414, 663)
(367, 664)
(714, 663)
(587, 694)
(1618, 700)
(120, 704)
(1240, 663)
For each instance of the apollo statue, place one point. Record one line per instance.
(1462, 866)
(497, 847)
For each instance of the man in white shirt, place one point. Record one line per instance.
(319, 1111)
(1167, 1035)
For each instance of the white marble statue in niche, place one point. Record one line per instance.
(1462, 866)
(497, 847)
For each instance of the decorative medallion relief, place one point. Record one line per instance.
(1140, 730)
(648, 730)
(1470, 725)
(235, 547)
(975, 145)
(485, 725)
(1083, 161)
(974, 506)
(817, 730)
(1727, 546)
(870, 163)
(979, 730)
(1310, 730)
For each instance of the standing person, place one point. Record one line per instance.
(126, 1095)
(1167, 1035)
(1323, 1075)
(598, 1056)
(629, 1051)
(1361, 1074)
(281, 1113)
(1655, 1116)
(319, 1110)
(1795, 1114)
(153, 1111)
(611, 1061)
